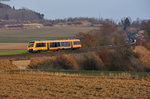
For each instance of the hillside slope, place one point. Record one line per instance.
(8, 13)
(144, 55)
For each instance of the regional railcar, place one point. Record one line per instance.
(45, 45)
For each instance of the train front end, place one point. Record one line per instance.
(30, 47)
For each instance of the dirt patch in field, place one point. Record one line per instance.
(21, 64)
(13, 45)
(7, 65)
(39, 85)
(13, 65)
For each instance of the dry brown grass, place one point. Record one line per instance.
(40, 85)
(144, 55)
(13, 45)
(7, 65)
(97, 58)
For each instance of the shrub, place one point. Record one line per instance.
(120, 59)
(42, 63)
(105, 55)
(66, 62)
(87, 40)
(91, 63)
(61, 61)
(37, 60)
(147, 30)
(124, 63)
(147, 44)
(45, 65)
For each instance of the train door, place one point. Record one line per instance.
(47, 46)
(71, 44)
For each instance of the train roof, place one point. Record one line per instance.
(53, 40)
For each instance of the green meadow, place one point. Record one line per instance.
(13, 52)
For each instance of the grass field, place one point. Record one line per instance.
(99, 73)
(12, 48)
(12, 52)
(86, 72)
(25, 35)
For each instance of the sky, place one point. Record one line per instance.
(112, 9)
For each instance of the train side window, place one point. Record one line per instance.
(40, 45)
(68, 43)
(77, 43)
(65, 43)
(58, 44)
(52, 44)
(55, 44)
(62, 44)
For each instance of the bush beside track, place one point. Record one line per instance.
(84, 59)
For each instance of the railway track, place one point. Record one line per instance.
(42, 54)
(51, 53)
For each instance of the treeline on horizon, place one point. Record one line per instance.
(10, 15)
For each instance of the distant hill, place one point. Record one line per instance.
(17, 17)
(9, 13)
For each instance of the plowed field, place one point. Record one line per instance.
(12, 46)
(48, 86)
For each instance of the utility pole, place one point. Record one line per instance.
(99, 18)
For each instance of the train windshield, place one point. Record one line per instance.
(31, 44)
(77, 43)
